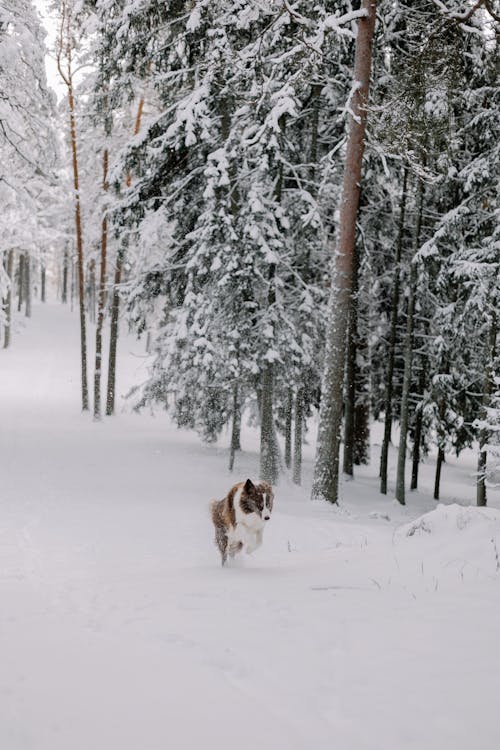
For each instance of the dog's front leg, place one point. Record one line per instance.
(253, 542)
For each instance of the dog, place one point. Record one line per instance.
(240, 518)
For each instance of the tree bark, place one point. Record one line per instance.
(43, 283)
(8, 301)
(481, 495)
(115, 304)
(91, 292)
(268, 448)
(64, 295)
(65, 48)
(408, 354)
(236, 427)
(27, 286)
(297, 446)
(350, 376)
(326, 471)
(361, 430)
(288, 429)
(437, 479)
(419, 420)
(392, 341)
(102, 295)
(20, 282)
(417, 439)
(113, 336)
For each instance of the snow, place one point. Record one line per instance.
(119, 629)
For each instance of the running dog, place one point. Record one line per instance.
(240, 518)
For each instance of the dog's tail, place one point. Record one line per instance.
(216, 508)
(213, 507)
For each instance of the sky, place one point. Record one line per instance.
(49, 22)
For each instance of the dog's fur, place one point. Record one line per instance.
(239, 518)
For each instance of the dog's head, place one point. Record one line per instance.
(257, 498)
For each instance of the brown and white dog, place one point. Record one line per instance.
(239, 518)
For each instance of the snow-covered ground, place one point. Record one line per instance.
(353, 628)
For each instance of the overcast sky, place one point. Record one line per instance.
(49, 22)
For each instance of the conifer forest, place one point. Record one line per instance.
(249, 238)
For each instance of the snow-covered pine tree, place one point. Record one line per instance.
(27, 151)
(240, 272)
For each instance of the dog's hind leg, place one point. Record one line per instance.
(221, 541)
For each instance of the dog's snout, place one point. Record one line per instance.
(266, 518)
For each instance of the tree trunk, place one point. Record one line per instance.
(115, 304)
(64, 296)
(236, 427)
(350, 376)
(20, 282)
(8, 301)
(392, 341)
(27, 286)
(65, 48)
(43, 279)
(91, 292)
(419, 420)
(102, 296)
(297, 446)
(288, 429)
(481, 496)
(326, 471)
(408, 354)
(268, 448)
(361, 430)
(73, 285)
(437, 480)
(113, 338)
(417, 439)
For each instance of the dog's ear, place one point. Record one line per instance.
(249, 486)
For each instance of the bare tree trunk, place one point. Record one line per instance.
(361, 430)
(102, 296)
(326, 471)
(91, 292)
(65, 49)
(27, 286)
(288, 429)
(419, 419)
(297, 447)
(64, 296)
(417, 440)
(20, 282)
(73, 284)
(8, 301)
(350, 379)
(389, 381)
(43, 284)
(236, 427)
(408, 354)
(437, 478)
(115, 303)
(268, 447)
(113, 337)
(481, 496)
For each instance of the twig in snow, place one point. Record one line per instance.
(497, 558)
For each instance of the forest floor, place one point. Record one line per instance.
(119, 630)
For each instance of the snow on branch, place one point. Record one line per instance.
(337, 23)
(465, 15)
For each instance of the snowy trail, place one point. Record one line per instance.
(119, 630)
